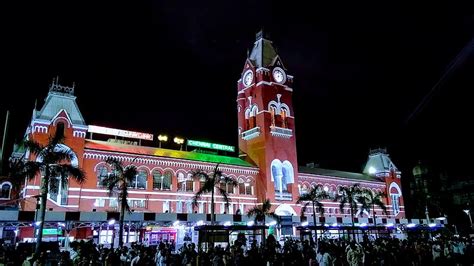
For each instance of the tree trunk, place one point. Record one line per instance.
(375, 222)
(122, 218)
(42, 211)
(352, 219)
(315, 230)
(213, 218)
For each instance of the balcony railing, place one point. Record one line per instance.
(281, 132)
(251, 133)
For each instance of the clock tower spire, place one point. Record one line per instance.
(266, 122)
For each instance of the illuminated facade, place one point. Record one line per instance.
(267, 165)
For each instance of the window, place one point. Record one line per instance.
(140, 180)
(283, 117)
(167, 180)
(161, 182)
(113, 203)
(60, 129)
(245, 189)
(6, 190)
(99, 203)
(272, 112)
(395, 204)
(101, 173)
(227, 187)
(185, 184)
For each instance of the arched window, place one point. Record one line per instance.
(273, 112)
(60, 128)
(6, 190)
(167, 175)
(283, 113)
(185, 183)
(140, 180)
(157, 180)
(101, 173)
(245, 188)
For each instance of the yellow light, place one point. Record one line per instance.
(178, 140)
(162, 138)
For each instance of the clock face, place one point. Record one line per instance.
(279, 75)
(248, 78)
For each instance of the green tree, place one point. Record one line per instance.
(53, 165)
(369, 199)
(314, 197)
(118, 182)
(350, 196)
(215, 181)
(260, 212)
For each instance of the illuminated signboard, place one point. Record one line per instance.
(50, 231)
(208, 145)
(120, 133)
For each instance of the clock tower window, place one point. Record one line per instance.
(283, 118)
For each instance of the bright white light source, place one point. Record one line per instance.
(111, 222)
(363, 225)
(200, 222)
(432, 225)
(411, 225)
(372, 170)
(228, 223)
(176, 223)
(250, 223)
(304, 224)
(389, 225)
(334, 224)
(272, 223)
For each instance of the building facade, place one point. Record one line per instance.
(266, 167)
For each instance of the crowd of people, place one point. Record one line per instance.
(327, 252)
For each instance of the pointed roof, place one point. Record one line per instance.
(263, 53)
(379, 162)
(60, 98)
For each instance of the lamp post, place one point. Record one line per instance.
(162, 138)
(179, 141)
(428, 219)
(468, 212)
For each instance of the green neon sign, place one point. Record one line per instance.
(208, 145)
(50, 231)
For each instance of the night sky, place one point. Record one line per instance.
(361, 68)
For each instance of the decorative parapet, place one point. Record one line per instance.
(251, 133)
(281, 132)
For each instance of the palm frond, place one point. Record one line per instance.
(74, 172)
(33, 146)
(129, 173)
(31, 169)
(116, 164)
(224, 194)
(305, 206)
(319, 207)
(229, 181)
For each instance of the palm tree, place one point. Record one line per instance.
(314, 197)
(350, 196)
(118, 182)
(53, 165)
(260, 212)
(369, 199)
(213, 182)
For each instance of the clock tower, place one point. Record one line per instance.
(266, 122)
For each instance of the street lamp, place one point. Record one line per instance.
(162, 138)
(111, 223)
(468, 212)
(179, 141)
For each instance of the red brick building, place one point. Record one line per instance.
(266, 167)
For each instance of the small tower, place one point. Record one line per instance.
(59, 112)
(381, 166)
(266, 126)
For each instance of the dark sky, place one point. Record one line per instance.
(360, 70)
